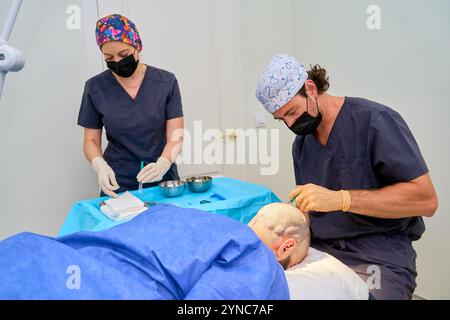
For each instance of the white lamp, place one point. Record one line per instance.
(11, 59)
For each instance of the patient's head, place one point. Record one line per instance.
(285, 230)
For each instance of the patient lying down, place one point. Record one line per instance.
(166, 252)
(285, 231)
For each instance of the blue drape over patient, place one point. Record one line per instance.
(164, 253)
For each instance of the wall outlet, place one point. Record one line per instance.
(260, 120)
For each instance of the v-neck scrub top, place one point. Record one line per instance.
(370, 146)
(135, 128)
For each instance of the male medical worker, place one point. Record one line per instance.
(359, 173)
(140, 108)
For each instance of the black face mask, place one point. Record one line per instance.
(306, 123)
(125, 67)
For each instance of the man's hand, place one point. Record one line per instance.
(311, 197)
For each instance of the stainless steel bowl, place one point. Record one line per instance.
(199, 184)
(172, 188)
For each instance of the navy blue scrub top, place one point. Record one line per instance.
(135, 128)
(370, 146)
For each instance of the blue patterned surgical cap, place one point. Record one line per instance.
(280, 82)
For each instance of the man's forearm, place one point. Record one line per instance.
(396, 201)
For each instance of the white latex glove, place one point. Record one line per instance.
(106, 177)
(155, 171)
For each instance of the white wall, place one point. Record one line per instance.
(404, 65)
(42, 167)
(266, 29)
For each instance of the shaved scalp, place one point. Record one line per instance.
(285, 221)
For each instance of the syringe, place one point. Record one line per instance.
(140, 183)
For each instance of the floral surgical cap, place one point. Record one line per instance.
(117, 28)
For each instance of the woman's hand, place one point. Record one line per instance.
(106, 177)
(154, 171)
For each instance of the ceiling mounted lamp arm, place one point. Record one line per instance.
(11, 59)
(2, 82)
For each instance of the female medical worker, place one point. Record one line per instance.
(360, 175)
(140, 108)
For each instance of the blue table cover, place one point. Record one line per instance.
(230, 197)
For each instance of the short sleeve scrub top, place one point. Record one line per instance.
(135, 128)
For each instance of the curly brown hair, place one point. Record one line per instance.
(320, 78)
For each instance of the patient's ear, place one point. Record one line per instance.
(285, 249)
